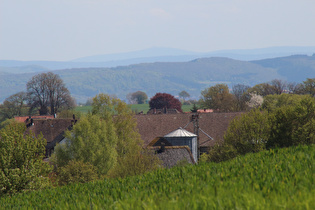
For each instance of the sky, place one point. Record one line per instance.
(63, 30)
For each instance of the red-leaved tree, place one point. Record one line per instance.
(165, 100)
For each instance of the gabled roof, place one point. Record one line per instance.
(51, 129)
(180, 132)
(214, 124)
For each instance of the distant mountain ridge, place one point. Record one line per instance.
(170, 77)
(150, 55)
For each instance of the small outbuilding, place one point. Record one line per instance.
(182, 137)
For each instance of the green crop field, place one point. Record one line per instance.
(276, 179)
(135, 107)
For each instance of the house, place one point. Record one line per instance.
(171, 156)
(53, 130)
(212, 126)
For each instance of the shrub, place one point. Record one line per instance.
(249, 133)
(76, 172)
(135, 164)
(220, 153)
(21, 160)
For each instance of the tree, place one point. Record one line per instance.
(275, 86)
(92, 140)
(139, 97)
(255, 101)
(293, 124)
(14, 105)
(249, 133)
(183, 94)
(279, 86)
(272, 102)
(165, 100)
(309, 86)
(242, 96)
(131, 158)
(21, 160)
(217, 97)
(48, 92)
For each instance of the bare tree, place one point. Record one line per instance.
(48, 92)
(279, 86)
(241, 96)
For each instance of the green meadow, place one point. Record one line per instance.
(275, 179)
(135, 107)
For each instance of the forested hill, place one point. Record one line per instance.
(169, 77)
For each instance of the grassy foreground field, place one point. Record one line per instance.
(135, 107)
(276, 179)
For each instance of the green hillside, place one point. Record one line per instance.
(276, 179)
(169, 77)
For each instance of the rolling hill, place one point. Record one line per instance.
(171, 77)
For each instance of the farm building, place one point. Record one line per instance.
(212, 126)
(182, 137)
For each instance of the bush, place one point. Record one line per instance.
(286, 124)
(249, 133)
(76, 172)
(135, 164)
(21, 160)
(220, 153)
(293, 125)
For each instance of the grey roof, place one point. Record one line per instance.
(174, 155)
(180, 132)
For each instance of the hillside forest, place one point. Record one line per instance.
(167, 77)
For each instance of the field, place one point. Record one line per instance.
(276, 179)
(135, 107)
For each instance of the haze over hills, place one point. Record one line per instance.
(150, 55)
(170, 77)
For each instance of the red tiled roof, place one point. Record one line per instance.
(25, 118)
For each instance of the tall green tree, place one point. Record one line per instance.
(92, 140)
(21, 160)
(217, 97)
(131, 159)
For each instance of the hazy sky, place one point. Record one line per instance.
(68, 29)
